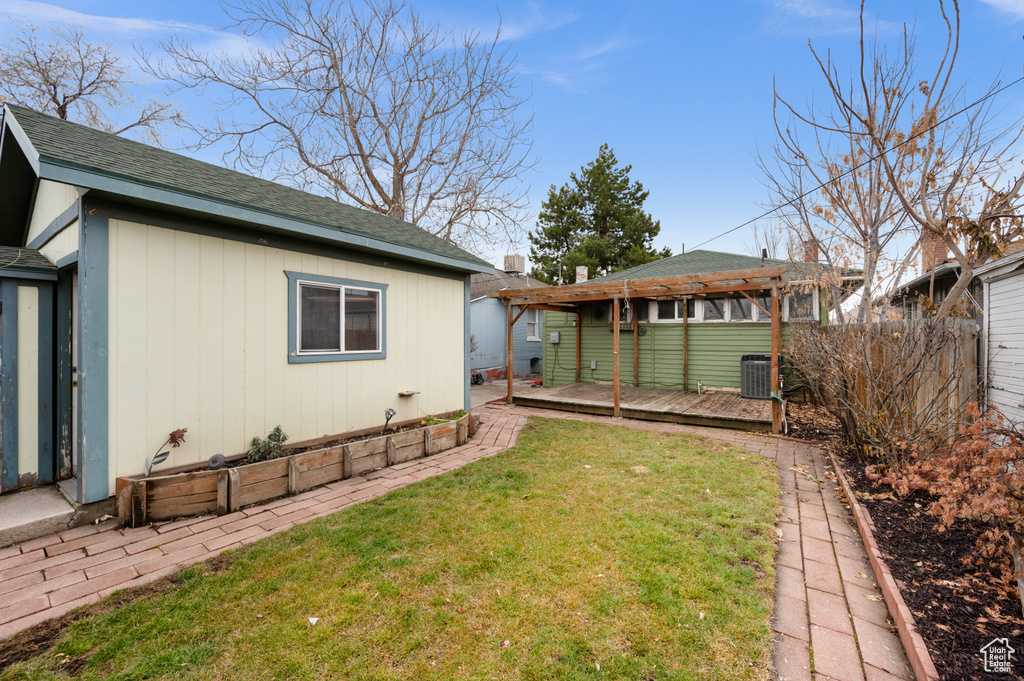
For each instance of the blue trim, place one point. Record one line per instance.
(9, 383)
(51, 170)
(465, 371)
(293, 319)
(69, 259)
(69, 215)
(45, 470)
(93, 408)
(37, 276)
(62, 386)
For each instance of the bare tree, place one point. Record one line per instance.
(921, 153)
(768, 238)
(369, 104)
(60, 73)
(836, 195)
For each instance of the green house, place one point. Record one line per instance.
(685, 324)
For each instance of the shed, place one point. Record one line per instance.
(1002, 338)
(186, 295)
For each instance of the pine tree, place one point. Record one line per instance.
(596, 219)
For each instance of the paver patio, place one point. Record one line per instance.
(827, 606)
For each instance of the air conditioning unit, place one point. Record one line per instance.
(756, 376)
(515, 264)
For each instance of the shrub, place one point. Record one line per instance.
(980, 476)
(267, 448)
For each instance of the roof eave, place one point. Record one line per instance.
(52, 170)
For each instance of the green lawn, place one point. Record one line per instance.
(655, 562)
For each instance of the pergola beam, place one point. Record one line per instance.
(645, 292)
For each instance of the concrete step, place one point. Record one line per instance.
(40, 511)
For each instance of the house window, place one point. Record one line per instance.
(666, 309)
(802, 306)
(691, 308)
(764, 313)
(335, 319)
(532, 324)
(714, 309)
(642, 310)
(740, 310)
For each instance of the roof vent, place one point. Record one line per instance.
(515, 264)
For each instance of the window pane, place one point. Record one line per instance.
(531, 322)
(666, 309)
(321, 318)
(764, 314)
(361, 319)
(740, 309)
(691, 309)
(642, 310)
(714, 309)
(801, 306)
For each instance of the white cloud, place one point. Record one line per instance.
(611, 45)
(1014, 7)
(41, 12)
(821, 17)
(532, 21)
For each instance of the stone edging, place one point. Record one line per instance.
(913, 643)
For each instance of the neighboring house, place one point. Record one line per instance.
(939, 275)
(489, 321)
(1002, 337)
(680, 340)
(144, 291)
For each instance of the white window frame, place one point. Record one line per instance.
(535, 322)
(814, 306)
(341, 303)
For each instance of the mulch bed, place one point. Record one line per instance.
(958, 608)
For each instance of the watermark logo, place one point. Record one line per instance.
(997, 654)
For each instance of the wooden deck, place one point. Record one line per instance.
(653, 404)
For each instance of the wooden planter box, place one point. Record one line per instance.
(143, 500)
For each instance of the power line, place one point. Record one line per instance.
(860, 165)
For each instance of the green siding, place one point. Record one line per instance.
(714, 353)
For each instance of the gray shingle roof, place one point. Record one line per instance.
(13, 259)
(693, 262)
(482, 284)
(77, 146)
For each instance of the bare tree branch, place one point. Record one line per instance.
(369, 104)
(59, 72)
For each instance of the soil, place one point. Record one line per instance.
(40, 638)
(959, 607)
(808, 421)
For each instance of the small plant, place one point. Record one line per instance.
(268, 448)
(431, 420)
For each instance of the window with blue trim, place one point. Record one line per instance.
(335, 319)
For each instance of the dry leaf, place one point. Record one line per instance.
(505, 644)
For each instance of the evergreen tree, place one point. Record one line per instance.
(596, 219)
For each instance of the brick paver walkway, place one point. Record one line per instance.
(826, 599)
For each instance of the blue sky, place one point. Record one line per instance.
(680, 90)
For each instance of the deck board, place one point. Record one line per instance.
(660, 404)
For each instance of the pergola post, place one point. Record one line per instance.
(615, 362)
(686, 345)
(579, 322)
(776, 393)
(508, 359)
(636, 350)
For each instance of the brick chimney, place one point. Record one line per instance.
(933, 251)
(810, 250)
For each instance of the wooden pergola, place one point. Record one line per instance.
(568, 299)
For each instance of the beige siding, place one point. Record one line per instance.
(199, 340)
(52, 199)
(62, 243)
(28, 380)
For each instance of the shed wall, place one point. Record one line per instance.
(52, 199)
(1006, 346)
(198, 339)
